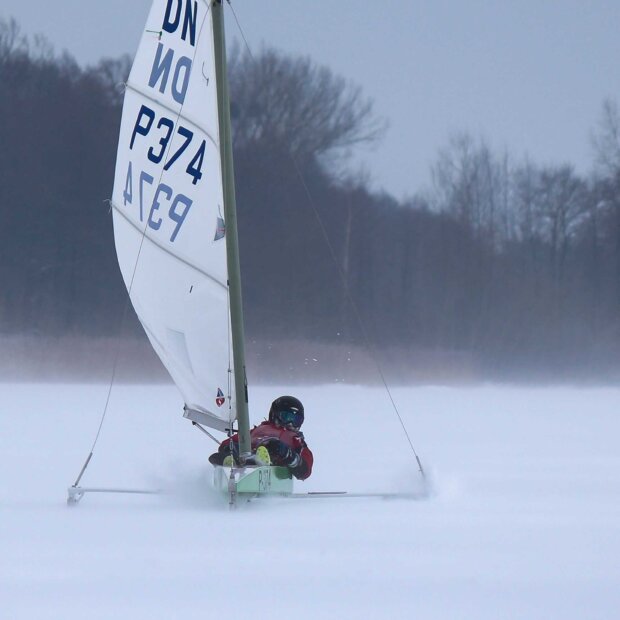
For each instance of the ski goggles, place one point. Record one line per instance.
(294, 418)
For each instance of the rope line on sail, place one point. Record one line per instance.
(131, 282)
(343, 280)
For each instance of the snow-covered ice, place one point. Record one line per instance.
(523, 521)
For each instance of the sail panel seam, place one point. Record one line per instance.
(178, 114)
(161, 246)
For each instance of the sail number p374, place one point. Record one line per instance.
(179, 204)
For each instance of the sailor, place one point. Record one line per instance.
(276, 441)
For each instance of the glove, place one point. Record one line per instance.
(278, 450)
(281, 454)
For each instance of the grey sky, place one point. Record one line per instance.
(530, 75)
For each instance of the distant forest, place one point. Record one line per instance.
(506, 263)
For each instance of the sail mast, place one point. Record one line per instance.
(232, 240)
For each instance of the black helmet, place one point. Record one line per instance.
(287, 411)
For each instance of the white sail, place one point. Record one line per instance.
(168, 206)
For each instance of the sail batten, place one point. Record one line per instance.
(168, 206)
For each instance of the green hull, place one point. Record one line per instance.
(253, 481)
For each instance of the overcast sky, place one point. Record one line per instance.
(529, 75)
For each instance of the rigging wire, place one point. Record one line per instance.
(133, 275)
(108, 396)
(343, 278)
(358, 316)
(232, 8)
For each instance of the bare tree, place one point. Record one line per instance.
(606, 140)
(15, 46)
(528, 204)
(113, 74)
(473, 184)
(12, 42)
(294, 104)
(561, 208)
(607, 147)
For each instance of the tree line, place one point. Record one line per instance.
(507, 262)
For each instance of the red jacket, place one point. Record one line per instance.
(292, 439)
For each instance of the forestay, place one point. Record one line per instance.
(168, 205)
